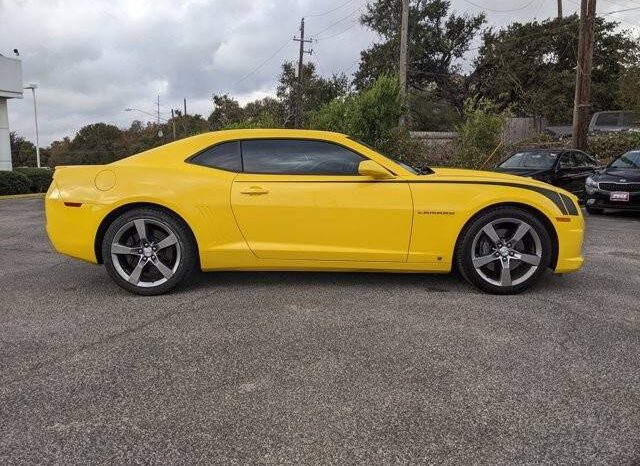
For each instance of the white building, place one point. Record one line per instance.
(10, 88)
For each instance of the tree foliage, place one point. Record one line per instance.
(370, 115)
(317, 90)
(530, 67)
(480, 134)
(437, 40)
(23, 152)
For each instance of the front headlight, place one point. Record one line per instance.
(591, 185)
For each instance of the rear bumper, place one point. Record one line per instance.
(570, 238)
(72, 228)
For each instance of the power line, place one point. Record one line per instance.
(330, 11)
(339, 21)
(337, 33)
(500, 11)
(253, 71)
(620, 11)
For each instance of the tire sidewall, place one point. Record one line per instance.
(464, 249)
(188, 252)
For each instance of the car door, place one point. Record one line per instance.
(585, 167)
(304, 199)
(566, 175)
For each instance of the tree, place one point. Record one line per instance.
(23, 152)
(226, 111)
(480, 134)
(436, 40)
(628, 97)
(530, 67)
(370, 115)
(317, 90)
(98, 143)
(262, 113)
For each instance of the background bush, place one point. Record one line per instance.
(40, 178)
(370, 115)
(14, 183)
(480, 134)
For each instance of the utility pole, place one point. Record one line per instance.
(404, 39)
(184, 100)
(583, 74)
(559, 9)
(299, 90)
(173, 124)
(158, 121)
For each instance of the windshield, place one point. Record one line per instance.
(530, 159)
(409, 168)
(628, 160)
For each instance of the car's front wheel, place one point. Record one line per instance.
(504, 250)
(148, 251)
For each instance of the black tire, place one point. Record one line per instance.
(594, 211)
(534, 246)
(160, 269)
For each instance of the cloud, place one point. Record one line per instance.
(91, 59)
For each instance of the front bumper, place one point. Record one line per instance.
(570, 238)
(599, 199)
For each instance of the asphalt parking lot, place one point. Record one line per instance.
(311, 368)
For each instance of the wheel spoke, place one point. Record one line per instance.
(168, 241)
(134, 278)
(505, 275)
(164, 270)
(522, 230)
(141, 228)
(117, 248)
(484, 260)
(530, 259)
(491, 233)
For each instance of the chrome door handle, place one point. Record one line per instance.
(255, 190)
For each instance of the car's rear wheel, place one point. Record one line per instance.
(504, 250)
(148, 251)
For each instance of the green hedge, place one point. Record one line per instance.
(40, 178)
(14, 183)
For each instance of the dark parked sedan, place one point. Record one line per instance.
(617, 186)
(565, 168)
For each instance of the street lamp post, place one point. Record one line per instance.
(33, 88)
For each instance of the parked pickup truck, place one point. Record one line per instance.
(604, 122)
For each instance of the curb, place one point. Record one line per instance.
(23, 196)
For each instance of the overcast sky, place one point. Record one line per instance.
(93, 58)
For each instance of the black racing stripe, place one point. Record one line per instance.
(548, 193)
(571, 206)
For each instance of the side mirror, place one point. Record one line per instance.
(372, 169)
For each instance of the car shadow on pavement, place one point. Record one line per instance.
(422, 282)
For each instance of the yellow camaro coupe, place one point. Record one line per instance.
(306, 200)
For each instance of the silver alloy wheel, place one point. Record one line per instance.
(506, 252)
(145, 252)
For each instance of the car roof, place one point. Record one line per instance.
(534, 149)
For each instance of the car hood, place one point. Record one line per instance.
(617, 175)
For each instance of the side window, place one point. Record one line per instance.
(298, 157)
(225, 156)
(567, 160)
(607, 119)
(583, 160)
